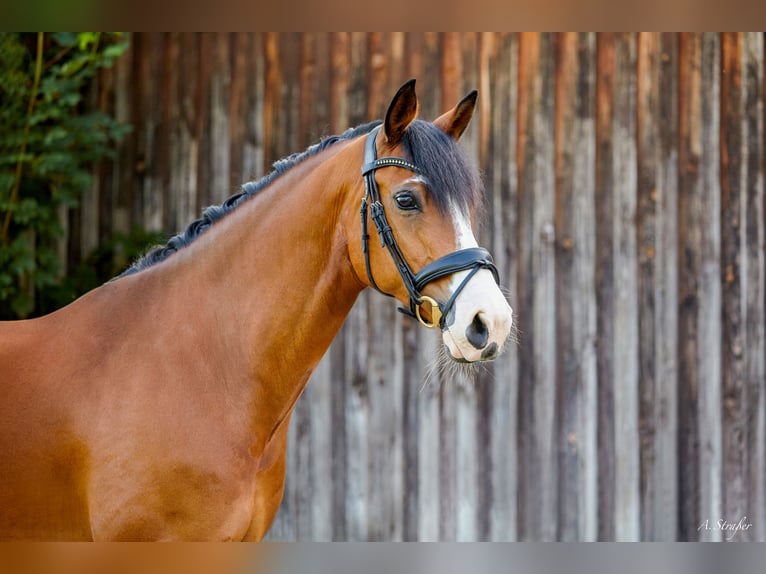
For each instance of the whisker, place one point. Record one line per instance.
(506, 291)
(436, 368)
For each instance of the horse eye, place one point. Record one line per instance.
(406, 201)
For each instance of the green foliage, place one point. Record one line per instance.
(48, 146)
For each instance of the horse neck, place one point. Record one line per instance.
(263, 292)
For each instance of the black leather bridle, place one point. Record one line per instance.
(473, 258)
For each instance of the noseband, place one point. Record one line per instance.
(473, 259)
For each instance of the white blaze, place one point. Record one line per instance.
(481, 296)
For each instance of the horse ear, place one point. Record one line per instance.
(454, 122)
(401, 112)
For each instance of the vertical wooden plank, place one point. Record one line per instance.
(359, 109)
(174, 110)
(128, 193)
(576, 299)
(171, 111)
(142, 135)
(168, 77)
(306, 88)
(254, 144)
(412, 374)
(318, 398)
(271, 98)
(617, 292)
(319, 87)
(413, 42)
(469, 56)
(155, 154)
(219, 134)
(666, 401)
(488, 46)
(184, 137)
(430, 487)
(688, 263)
(742, 275)
(646, 107)
(502, 194)
(299, 486)
(339, 80)
(710, 272)
(484, 379)
(385, 384)
(397, 74)
(430, 83)
(357, 422)
(447, 455)
(451, 69)
(377, 63)
(657, 282)
(605, 284)
(537, 301)
(84, 221)
(114, 204)
(338, 428)
(699, 288)
(755, 109)
(733, 356)
(206, 63)
(627, 525)
(237, 114)
(290, 138)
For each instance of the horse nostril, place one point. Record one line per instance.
(477, 333)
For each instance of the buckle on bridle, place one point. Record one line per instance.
(436, 312)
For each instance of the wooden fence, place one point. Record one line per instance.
(625, 177)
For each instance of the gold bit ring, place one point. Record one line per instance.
(436, 312)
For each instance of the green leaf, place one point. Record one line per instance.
(22, 305)
(87, 39)
(113, 51)
(65, 39)
(73, 66)
(55, 135)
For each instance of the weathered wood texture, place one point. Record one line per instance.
(625, 185)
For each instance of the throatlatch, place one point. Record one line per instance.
(473, 258)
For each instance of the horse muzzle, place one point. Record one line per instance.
(479, 322)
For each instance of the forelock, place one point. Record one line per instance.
(451, 176)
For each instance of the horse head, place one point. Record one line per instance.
(422, 196)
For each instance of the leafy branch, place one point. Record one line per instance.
(20, 163)
(49, 145)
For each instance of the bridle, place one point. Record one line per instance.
(473, 258)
